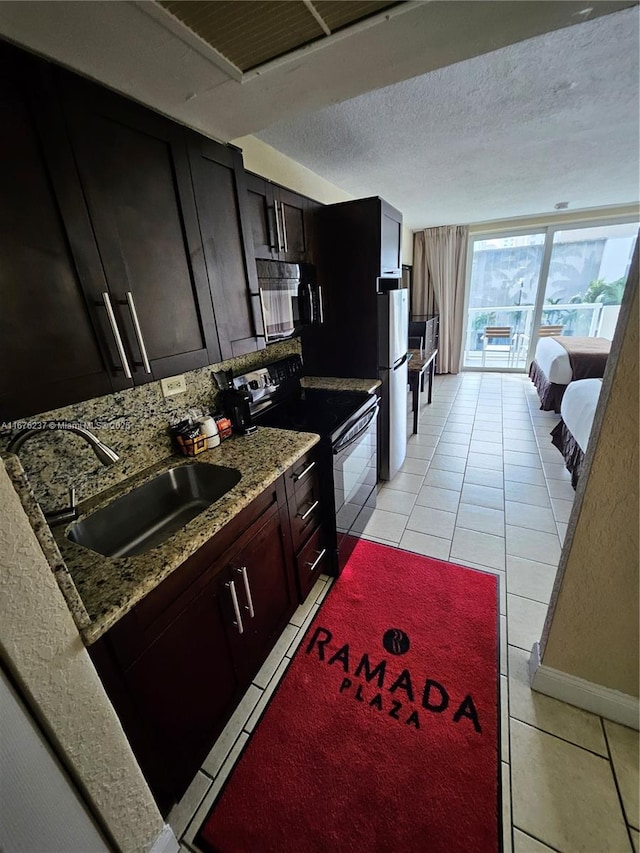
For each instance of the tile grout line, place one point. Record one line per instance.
(563, 739)
(539, 840)
(615, 781)
(506, 663)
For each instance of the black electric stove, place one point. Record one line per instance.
(346, 422)
(314, 410)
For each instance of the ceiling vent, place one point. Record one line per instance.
(253, 32)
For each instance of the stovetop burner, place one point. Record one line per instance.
(314, 410)
(278, 400)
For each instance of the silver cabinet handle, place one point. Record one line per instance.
(138, 331)
(116, 334)
(231, 586)
(278, 234)
(309, 511)
(317, 560)
(321, 304)
(298, 477)
(284, 228)
(247, 590)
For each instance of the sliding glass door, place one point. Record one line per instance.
(560, 281)
(505, 273)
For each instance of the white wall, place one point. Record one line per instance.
(593, 630)
(42, 649)
(33, 784)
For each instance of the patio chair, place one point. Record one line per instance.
(548, 331)
(498, 339)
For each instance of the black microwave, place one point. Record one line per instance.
(290, 298)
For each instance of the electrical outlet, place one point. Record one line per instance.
(173, 385)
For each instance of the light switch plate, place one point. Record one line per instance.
(173, 385)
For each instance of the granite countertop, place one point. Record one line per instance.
(334, 383)
(107, 588)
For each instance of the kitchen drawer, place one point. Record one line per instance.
(312, 561)
(298, 476)
(305, 509)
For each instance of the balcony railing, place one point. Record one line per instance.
(581, 319)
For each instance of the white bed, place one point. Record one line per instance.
(578, 408)
(571, 435)
(553, 360)
(555, 366)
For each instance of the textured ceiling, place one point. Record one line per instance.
(505, 127)
(506, 134)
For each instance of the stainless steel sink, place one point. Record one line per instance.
(149, 514)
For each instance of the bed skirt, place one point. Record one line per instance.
(550, 393)
(562, 438)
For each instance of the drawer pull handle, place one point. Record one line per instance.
(298, 477)
(231, 586)
(247, 590)
(317, 560)
(309, 511)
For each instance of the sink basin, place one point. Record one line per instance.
(149, 514)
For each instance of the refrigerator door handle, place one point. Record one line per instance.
(399, 363)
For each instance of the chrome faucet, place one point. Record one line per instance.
(105, 454)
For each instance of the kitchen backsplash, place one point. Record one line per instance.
(133, 422)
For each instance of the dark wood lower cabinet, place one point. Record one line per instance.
(177, 664)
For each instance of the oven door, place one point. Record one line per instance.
(354, 478)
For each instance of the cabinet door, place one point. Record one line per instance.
(49, 265)
(390, 242)
(292, 209)
(260, 202)
(183, 689)
(265, 594)
(222, 206)
(134, 171)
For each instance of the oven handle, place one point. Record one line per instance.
(338, 446)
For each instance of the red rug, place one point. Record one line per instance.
(383, 734)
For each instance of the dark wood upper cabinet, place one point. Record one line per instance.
(53, 345)
(127, 242)
(390, 241)
(262, 217)
(293, 210)
(223, 213)
(354, 240)
(134, 171)
(280, 221)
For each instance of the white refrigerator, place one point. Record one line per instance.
(393, 330)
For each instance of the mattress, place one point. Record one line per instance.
(553, 359)
(578, 408)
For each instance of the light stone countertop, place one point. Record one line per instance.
(106, 588)
(336, 383)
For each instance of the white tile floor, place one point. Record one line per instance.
(483, 486)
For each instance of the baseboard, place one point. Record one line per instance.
(611, 704)
(166, 842)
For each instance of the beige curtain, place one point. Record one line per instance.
(439, 269)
